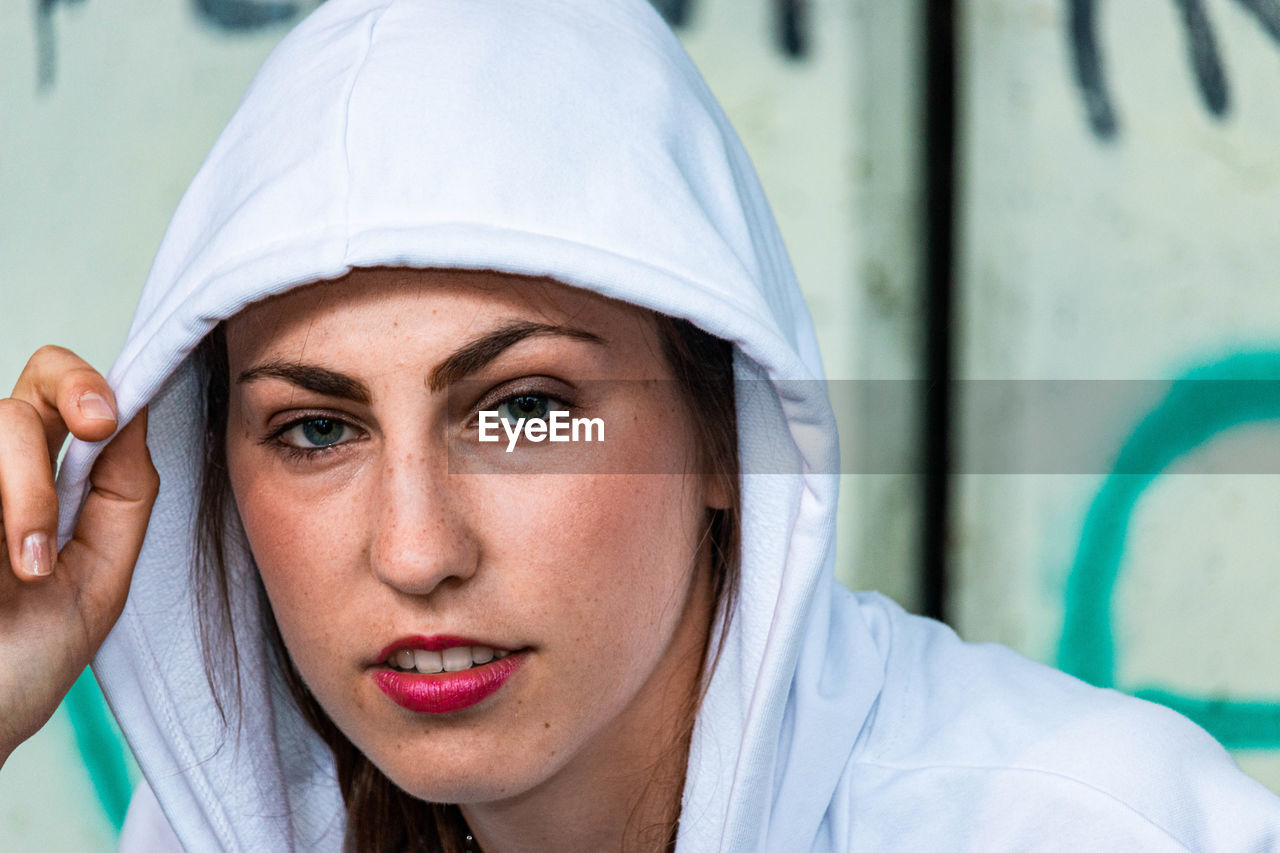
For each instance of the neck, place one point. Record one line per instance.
(623, 792)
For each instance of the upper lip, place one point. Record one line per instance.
(435, 643)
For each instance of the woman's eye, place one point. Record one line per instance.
(525, 406)
(316, 433)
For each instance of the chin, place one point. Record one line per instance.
(465, 786)
(461, 776)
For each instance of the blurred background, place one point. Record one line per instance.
(1041, 237)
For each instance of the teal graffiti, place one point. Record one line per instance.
(101, 747)
(1210, 399)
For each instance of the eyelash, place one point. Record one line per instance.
(295, 453)
(493, 403)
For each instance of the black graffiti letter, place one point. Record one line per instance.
(244, 14)
(1202, 53)
(46, 42)
(792, 18)
(675, 11)
(236, 15)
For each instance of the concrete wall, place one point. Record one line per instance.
(1119, 222)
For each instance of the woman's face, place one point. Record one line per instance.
(390, 539)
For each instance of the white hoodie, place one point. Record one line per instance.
(575, 139)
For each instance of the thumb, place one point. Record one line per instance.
(108, 536)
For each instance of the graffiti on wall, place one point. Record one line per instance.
(231, 15)
(1201, 47)
(46, 44)
(245, 14)
(1240, 389)
(101, 747)
(790, 23)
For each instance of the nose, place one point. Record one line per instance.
(422, 540)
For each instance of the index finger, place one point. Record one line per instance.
(69, 395)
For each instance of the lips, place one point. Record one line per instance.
(443, 674)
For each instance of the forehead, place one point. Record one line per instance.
(446, 305)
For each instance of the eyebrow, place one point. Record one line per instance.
(469, 358)
(476, 354)
(321, 380)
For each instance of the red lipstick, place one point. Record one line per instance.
(434, 643)
(444, 692)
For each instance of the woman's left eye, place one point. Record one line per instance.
(316, 433)
(527, 407)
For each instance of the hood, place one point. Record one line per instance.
(565, 138)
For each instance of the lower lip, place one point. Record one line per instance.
(445, 692)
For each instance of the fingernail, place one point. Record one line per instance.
(37, 554)
(95, 407)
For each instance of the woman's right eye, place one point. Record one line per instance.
(316, 434)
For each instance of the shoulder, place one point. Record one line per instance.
(996, 734)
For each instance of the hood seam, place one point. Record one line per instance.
(376, 18)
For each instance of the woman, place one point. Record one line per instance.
(403, 182)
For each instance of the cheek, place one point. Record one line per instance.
(304, 546)
(611, 550)
(287, 533)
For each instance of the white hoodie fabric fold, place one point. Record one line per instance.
(575, 139)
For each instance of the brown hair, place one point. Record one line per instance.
(380, 815)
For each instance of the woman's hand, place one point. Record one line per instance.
(56, 608)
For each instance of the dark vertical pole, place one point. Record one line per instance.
(937, 264)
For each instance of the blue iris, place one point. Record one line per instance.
(323, 432)
(527, 406)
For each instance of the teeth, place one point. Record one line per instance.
(426, 661)
(457, 659)
(453, 659)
